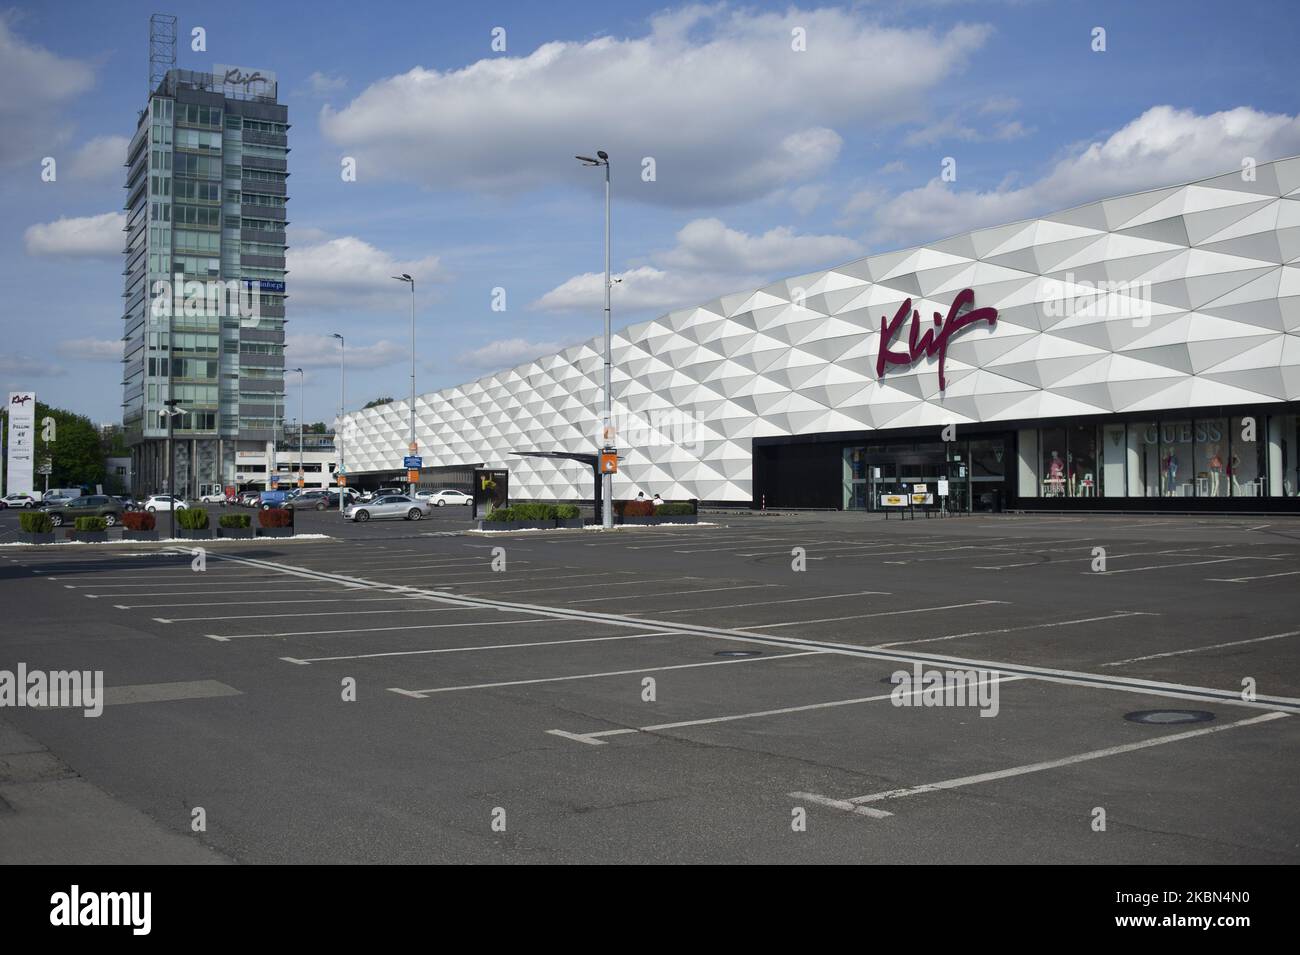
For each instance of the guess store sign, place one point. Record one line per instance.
(933, 341)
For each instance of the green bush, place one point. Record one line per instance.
(531, 511)
(192, 518)
(235, 520)
(567, 512)
(35, 522)
(91, 524)
(669, 510)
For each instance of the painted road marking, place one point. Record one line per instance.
(1213, 646)
(1032, 626)
(597, 738)
(1040, 766)
(494, 646)
(421, 694)
(882, 613)
(756, 636)
(1242, 580)
(764, 603)
(222, 638)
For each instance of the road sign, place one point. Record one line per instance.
(412, 476)
(609, 462)
(412, 463)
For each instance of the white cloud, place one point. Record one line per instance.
(506, 353)
(348, 272)
(1163, 146)
(36, 85)
(322, 84)
(728, 111)
(20, 368)
(708, 260)
(100, 159)
(90, 349)
(80, 237)
(315, 351)
(951, 128)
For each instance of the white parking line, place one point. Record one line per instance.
(208, 593)
(222, 638)
(251, 603)
(1212, 646)
(765, 603)
(1040, 766)
(879, 613)
(675, 593)
(597, 738)
(1032, 626)
(493, 646)
(421, 694)
(1242, 580)
(1192, 563)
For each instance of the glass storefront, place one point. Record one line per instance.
(974, 472)
(1175, 457)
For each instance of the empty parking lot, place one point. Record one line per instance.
(722, 692)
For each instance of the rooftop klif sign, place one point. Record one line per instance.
(245, 80)
(934, 341)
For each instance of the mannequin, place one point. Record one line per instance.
(1171, 474)
(1216, 469)
(1056, 474)
(1234, 473)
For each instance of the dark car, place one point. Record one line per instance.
(317, 500)
(91, 505)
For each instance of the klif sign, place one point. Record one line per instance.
(22, 440)
(934, 341)
(256, 82)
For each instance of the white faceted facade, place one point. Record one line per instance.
(1181, 297)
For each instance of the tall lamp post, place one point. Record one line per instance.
(606, 479)
(173, 409)
(411, 446)
(338, 437)
(301, 387)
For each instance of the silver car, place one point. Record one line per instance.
(388, 506)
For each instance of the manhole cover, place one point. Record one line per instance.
(1169, 716)
(739, 653)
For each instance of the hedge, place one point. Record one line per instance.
(567, 512)
(192, 518)
(235, 521)
(526, 511)
(90, 524)
(275, 517)
(35, 522)
(667, 510)
(139, 521)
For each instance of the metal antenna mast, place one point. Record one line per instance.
(162, 48)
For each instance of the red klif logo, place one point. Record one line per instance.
(935, 340)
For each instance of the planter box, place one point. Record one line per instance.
(666, 519)
(89, 537)
(28, 537)
(130, 535)
(576, 522)
(243, 533)
(194, 535)
(275, 532)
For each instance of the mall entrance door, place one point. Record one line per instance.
(884, 468)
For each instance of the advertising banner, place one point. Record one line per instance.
(22, 441)
(893, 500)
(491, 490)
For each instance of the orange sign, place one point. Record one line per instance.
(608, 462)
(343, 480)
(412, 476)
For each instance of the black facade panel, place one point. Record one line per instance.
(798, 475)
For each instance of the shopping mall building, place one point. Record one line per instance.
(1139, 352)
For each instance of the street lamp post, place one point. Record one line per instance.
(301, 387)
(606, 479)
(411, 446)
(338, 436)
(171, 412)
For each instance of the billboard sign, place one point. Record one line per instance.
(22, 441)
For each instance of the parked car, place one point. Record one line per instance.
(19, 500)
(61, 496)
(369, 496)
(390, 506)
(127, 501)
(317, 499)
(217, 497)
(163, 502)
(250, 498)
(445, 497)
(91, 505)
(269, 499)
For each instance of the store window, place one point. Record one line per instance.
(1211, 457)
(1082, 460)
(1284, 438)
(1243, 468)
(1176, 459)
(1054, 467)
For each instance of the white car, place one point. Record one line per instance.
(18, 500)
(161, 502)
(443, 498)
(388, 506)
(218, 498)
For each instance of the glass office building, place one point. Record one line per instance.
(204, 293)
(1138, 352)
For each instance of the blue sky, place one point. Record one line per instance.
(769, 161)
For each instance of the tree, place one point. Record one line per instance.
(70, 443)
(376, 403)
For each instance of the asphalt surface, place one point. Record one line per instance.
(519, 695)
